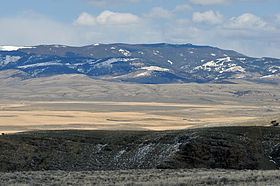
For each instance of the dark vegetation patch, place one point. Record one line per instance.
(73, 150)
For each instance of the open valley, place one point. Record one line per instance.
(77, 102)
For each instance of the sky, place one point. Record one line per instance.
(251, 27)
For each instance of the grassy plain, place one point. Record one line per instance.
(78, 102)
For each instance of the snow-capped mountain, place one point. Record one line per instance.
(141, 63)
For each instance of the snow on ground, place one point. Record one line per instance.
(226, 59)
(210, 64)
(125, 52)
(169, 61)
(274, 69)
(221, 65)
(12, 48)
(235, 69)
(143, 74)
(40, 65)
(114, 60)
(156, 52)
(241, 59)
(9, 59)
(155, 68)
(270, 76)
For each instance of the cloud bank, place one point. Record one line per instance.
(245, 32)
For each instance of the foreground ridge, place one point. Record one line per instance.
(221, 147)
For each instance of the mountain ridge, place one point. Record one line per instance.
(157, 63)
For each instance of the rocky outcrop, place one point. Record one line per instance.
(223, 147)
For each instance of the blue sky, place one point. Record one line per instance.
(251, 27)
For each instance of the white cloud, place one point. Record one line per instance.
(209, 2)
(107, 18)
(246, 34)
(85, 19)
(209, 17)
(247, 21)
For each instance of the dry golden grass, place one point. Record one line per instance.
(78, 102)
(129, 115)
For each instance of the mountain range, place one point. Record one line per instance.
(138, 63)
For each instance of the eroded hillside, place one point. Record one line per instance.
(225, 147)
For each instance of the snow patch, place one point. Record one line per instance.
(210, 64)
(13, 48)
(169, 61)
(157, 53)
(125, 52)
(226, 59)
(221, 65)
(274, 69)
(9, 59)
(40, 65)
(114, 60)
(143, 74)
(241, 59)
(269, 76)
(155, 68)
(235, 69)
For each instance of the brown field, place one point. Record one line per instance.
(49, 115)
(78, 102)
